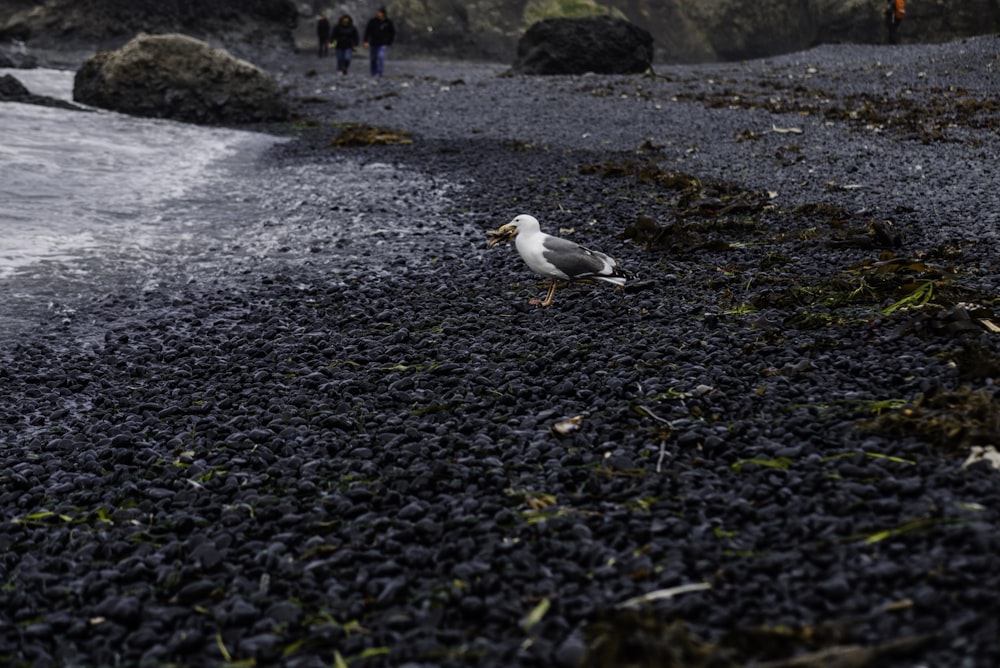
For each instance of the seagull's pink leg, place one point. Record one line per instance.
(548, 298)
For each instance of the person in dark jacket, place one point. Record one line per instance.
(345, 36)
(323, 34)
(379, 34)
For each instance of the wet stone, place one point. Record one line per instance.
(347, 444)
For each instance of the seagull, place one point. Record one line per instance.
(555, 258)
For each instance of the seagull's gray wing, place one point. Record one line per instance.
(573, 259)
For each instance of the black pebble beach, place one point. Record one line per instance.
(352, 441)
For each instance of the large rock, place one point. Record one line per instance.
(575, 46)
(179, 77)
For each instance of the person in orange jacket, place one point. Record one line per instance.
(895, 10)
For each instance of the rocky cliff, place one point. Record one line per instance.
(245, 28)
(683, 30)
(688, 30)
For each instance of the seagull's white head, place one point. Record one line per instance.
(524, 224)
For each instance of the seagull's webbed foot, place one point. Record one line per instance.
(548, 298)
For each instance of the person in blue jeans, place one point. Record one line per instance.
(379, 34)
(345, 38)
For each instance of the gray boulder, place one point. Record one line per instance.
(599, 44)
(179, 77)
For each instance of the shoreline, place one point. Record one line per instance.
(306, 460)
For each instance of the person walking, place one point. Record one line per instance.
(345, 38)
(323, 34)
(379, 34)
(895, 10)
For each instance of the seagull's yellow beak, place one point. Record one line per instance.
(505, 233)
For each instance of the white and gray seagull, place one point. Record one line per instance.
(555, 258)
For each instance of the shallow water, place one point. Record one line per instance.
(75, 183)
(100, 202)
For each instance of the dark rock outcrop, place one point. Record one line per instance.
(575, 46)
(12, 90)
(179, 77)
